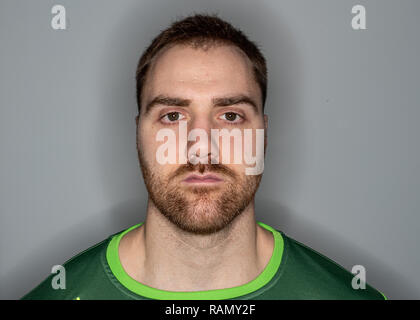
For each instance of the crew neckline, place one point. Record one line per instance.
(143, 290)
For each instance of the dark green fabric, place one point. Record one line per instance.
(303, 274)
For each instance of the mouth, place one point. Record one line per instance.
(207, 179)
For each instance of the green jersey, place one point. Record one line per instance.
(294, 271)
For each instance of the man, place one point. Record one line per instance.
(200, 239)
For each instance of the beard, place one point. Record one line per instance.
(200, 210)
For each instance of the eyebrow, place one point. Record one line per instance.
(217, 102)
(239, 99)
(167, 101)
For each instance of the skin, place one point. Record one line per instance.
(160, 253)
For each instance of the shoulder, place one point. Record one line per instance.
(311, 275)
(77, 275)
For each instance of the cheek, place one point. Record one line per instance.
(152, 149)
(147, 144)
(238, 149)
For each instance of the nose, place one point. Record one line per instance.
(201, 147)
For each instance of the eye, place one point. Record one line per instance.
(172, 117)
(232, 117)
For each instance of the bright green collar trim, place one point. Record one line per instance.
(143, 290)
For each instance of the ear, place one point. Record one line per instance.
(137, 132)
(265, 132)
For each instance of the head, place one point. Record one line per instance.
(199, 75)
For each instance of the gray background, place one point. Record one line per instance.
(342, 168)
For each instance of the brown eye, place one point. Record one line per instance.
(172, 117)
(230, 116)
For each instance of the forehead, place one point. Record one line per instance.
(186, 72)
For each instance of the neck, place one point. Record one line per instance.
(162, 256)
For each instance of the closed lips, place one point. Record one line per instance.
(204, 178)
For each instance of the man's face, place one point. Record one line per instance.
(205, 90)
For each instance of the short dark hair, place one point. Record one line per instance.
(199, 31)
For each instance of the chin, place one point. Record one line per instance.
(202, 226)
(204, 191)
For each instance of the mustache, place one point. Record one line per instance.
(202, 168)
